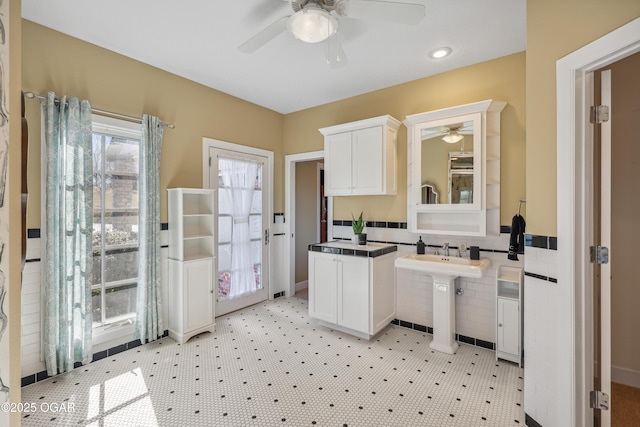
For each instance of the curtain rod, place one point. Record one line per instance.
(32, 95)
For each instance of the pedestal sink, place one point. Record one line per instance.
(443, 270)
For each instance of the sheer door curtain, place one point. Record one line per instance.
(239, 179)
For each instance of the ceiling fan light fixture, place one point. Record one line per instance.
(312, 24)
(440, 52)
(453, 137)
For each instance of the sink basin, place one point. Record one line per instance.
(444, 270)
(440, 265)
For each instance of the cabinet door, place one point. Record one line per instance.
(323, 285)
(198, 294)
(508, 326)
(368, 163)
(338, 164)
(353, 292)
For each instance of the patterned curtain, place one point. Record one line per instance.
(69, 226)
(149, 303)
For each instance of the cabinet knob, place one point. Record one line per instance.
(499, 325)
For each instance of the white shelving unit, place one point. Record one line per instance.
(191, 262)
(509, 319)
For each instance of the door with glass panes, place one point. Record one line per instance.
(242, 267)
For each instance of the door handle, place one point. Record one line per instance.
(266, 237)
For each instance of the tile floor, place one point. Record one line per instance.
(270, 365)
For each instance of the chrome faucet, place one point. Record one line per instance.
(445, 249)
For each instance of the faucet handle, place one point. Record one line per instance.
(445, 246)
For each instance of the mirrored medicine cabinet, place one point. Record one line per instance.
(453, 159)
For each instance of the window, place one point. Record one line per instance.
(115, 219)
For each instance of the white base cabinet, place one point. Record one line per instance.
(354, 294)
(191, 304)
(509, 326)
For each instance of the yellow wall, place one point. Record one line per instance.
(502, 79)
(112, 82)
(554, 30)
(116, 83)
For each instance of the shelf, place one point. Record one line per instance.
(509, 274)
(509, 294)
(197, 236)
(197, 204)
(509, 277)
(196, 257)
(192, 223)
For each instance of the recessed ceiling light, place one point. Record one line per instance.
(440, 52)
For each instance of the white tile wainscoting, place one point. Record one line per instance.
(543, 333)
(110, 341)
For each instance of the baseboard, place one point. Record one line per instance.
(530, 422)
(625, 376)
(302, 285)
(43, 375)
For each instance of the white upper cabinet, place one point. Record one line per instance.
(360, 157)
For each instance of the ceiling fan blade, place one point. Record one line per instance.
(402, 13)
(264, 36)
(262, 9)
(335, 54)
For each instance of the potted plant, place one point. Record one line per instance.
(359, 237)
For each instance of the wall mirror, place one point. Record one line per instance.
(447, 162)
(453, 159)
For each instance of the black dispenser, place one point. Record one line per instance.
(420, 246)
(475, 252)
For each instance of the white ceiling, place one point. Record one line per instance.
(198, 40)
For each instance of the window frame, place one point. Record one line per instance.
(130, 130)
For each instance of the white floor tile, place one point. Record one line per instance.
(271, 365)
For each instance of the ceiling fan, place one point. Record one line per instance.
(314, 21)
(455, 134)
(450, 134)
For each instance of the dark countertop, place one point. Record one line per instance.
(344, 247)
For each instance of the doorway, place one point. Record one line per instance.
(291, 220)
(310, 209)
(575, 202)
(620, 88)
